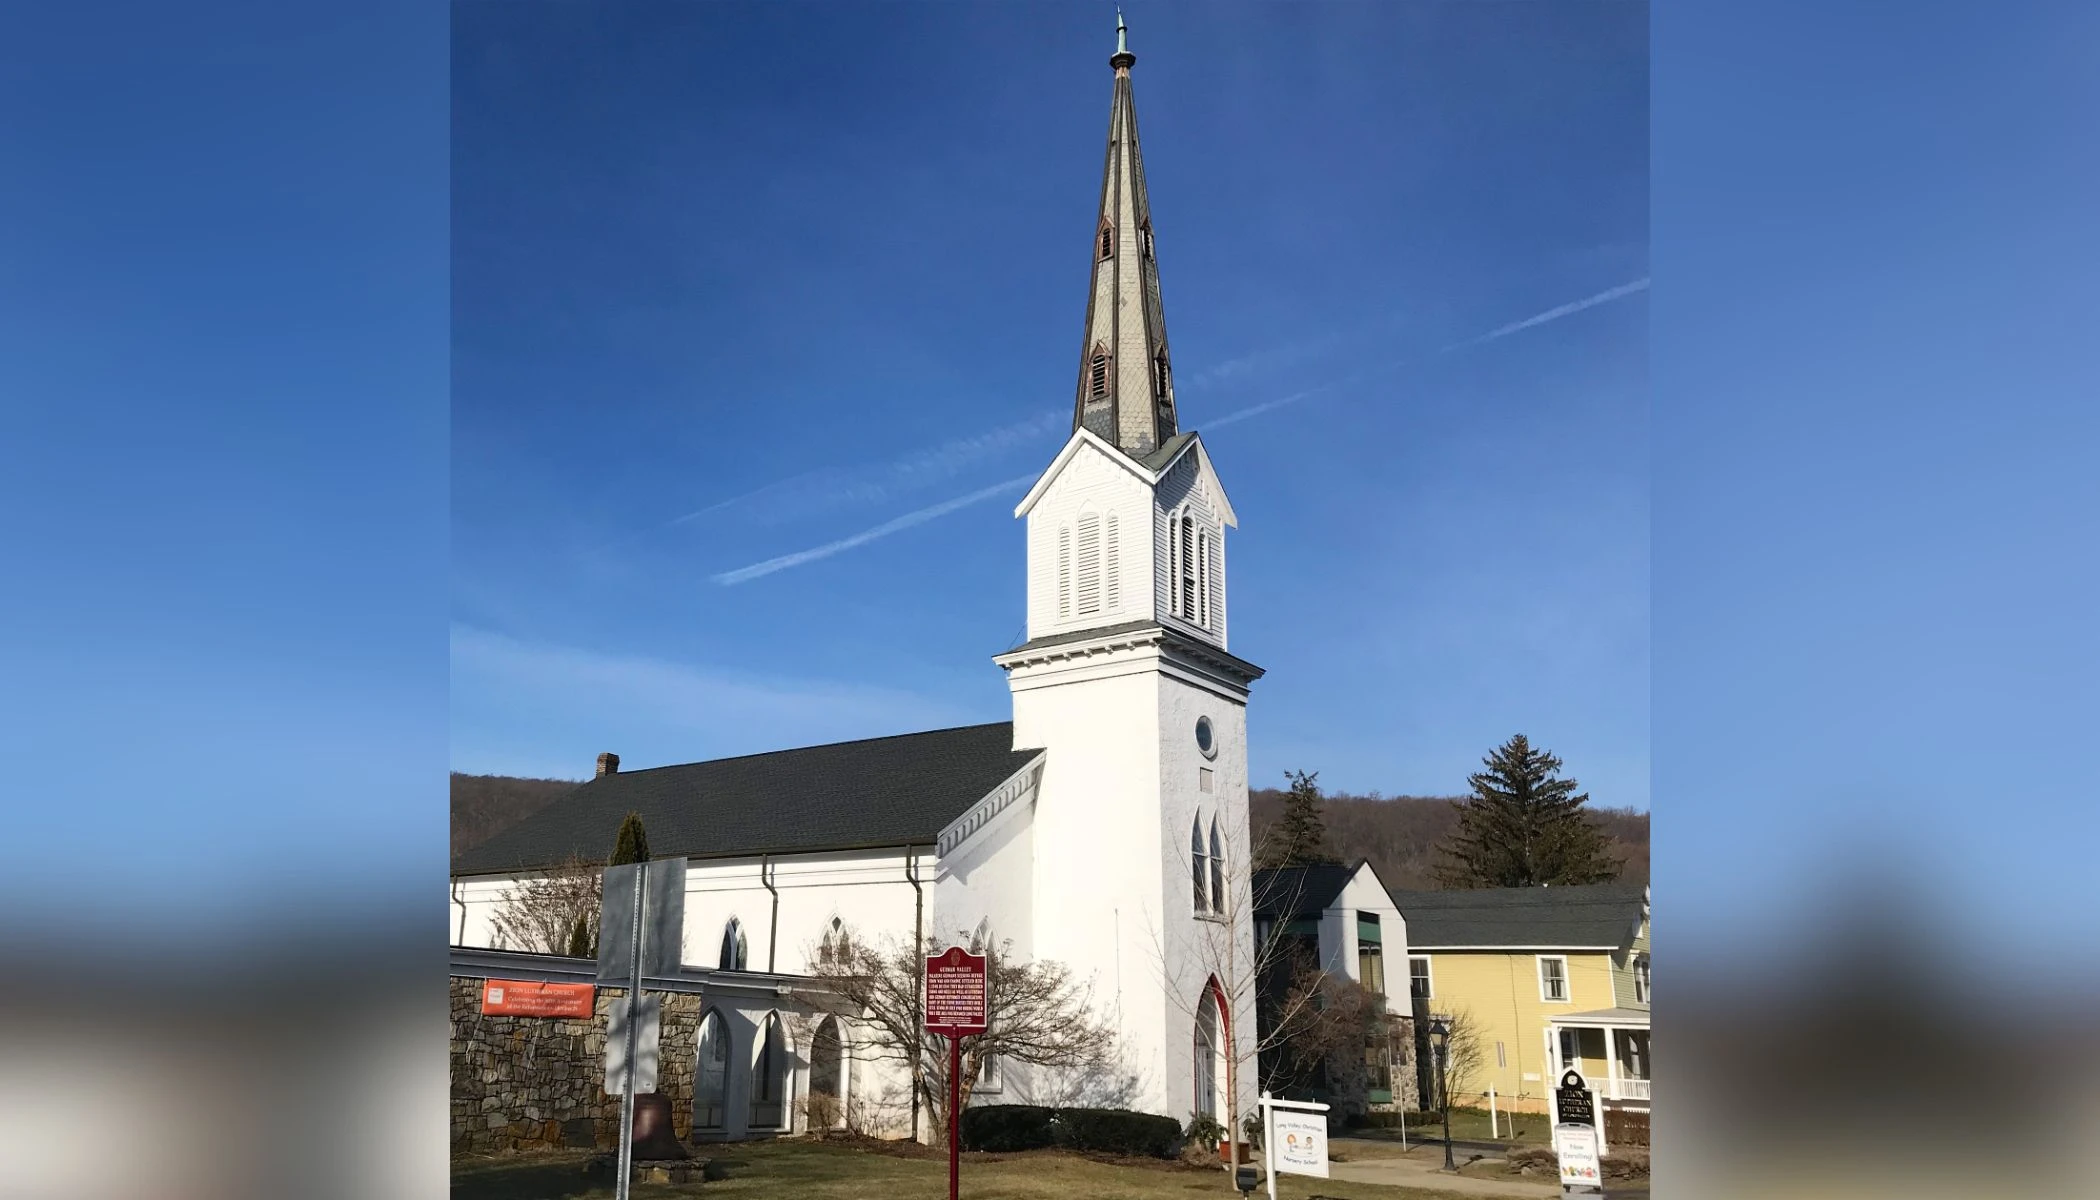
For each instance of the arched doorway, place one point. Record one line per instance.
(1209, 1055)
(827, 1076)
(769, 1077)
(711, 1078)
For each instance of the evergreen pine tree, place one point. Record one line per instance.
(1299, 837)
(1523, 826)
(581, 943)
(631, 844)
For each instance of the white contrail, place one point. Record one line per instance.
(814, 492)
(920, 517)
(1554, 314)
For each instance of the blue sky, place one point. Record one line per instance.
(762, 314)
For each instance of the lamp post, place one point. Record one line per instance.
(1440, 1037)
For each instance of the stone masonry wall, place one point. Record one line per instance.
(529, 1083)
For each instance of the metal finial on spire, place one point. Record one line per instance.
(1121, 30)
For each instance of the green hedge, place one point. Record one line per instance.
(1007, 1127)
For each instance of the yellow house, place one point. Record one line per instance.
(1539, 980)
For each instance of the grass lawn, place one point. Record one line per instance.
(792, 1169)
(1468, 1125)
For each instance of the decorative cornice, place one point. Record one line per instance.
(1001, 798)
(1171, 643)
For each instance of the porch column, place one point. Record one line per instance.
(1611, 1059)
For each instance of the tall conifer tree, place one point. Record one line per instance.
(1299, 837)
(631, 844)
(1524, 826)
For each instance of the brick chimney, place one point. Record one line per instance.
(608, 764)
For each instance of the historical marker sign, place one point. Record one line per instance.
(955, 999)
(1573, 1102)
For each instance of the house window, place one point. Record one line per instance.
(1199, 874)
(1418, 979)
(1570, 1048)
(1640, 979)
(1097, 376)
(733, 948)
(1553, 978)
(1370, 965)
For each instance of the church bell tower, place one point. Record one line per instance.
(1141, 832)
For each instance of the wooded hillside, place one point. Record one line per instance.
(484, 804)
(1399, 834)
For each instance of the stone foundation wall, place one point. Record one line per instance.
(529, 1083)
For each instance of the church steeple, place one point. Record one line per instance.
(1126, 386)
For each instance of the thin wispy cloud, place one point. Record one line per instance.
(894, 525)
(667, 710)
(813, 493)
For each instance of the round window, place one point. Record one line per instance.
(1206, 739)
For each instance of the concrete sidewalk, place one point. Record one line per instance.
(1423, 1169)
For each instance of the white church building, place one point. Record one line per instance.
(1101, 827)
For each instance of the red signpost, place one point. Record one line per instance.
(955, 1009)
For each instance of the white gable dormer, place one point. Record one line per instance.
(1114, 540)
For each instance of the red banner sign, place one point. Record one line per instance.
(955, 992)
(511, 997)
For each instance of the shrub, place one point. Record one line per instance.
(1118, 1131)
(1008, 1127)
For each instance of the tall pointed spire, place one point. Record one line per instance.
(1126, 386)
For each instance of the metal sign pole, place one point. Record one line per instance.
(634, 1008)
(954, 1114)
(1268, 1141)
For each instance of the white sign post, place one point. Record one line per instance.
(1294, 1138)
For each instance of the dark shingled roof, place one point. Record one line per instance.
(1303, 891)
(1604, 914)
(1166, 451)
(890, 791)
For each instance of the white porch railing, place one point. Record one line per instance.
(1626, 1089)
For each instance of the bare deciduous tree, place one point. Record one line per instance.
(541, 915)
(1459, 1066)
(1035, 1015)
(1302, 1011)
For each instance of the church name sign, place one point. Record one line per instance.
(520, 998)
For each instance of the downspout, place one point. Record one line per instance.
(765, 875)
(461, 939)
(918, 941)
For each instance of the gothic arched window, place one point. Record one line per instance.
(1089, 590)
(1108, 240)
(1217, 869)
(1097, 375)
(1186, 585)
(733, 948)
(1199, 871)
